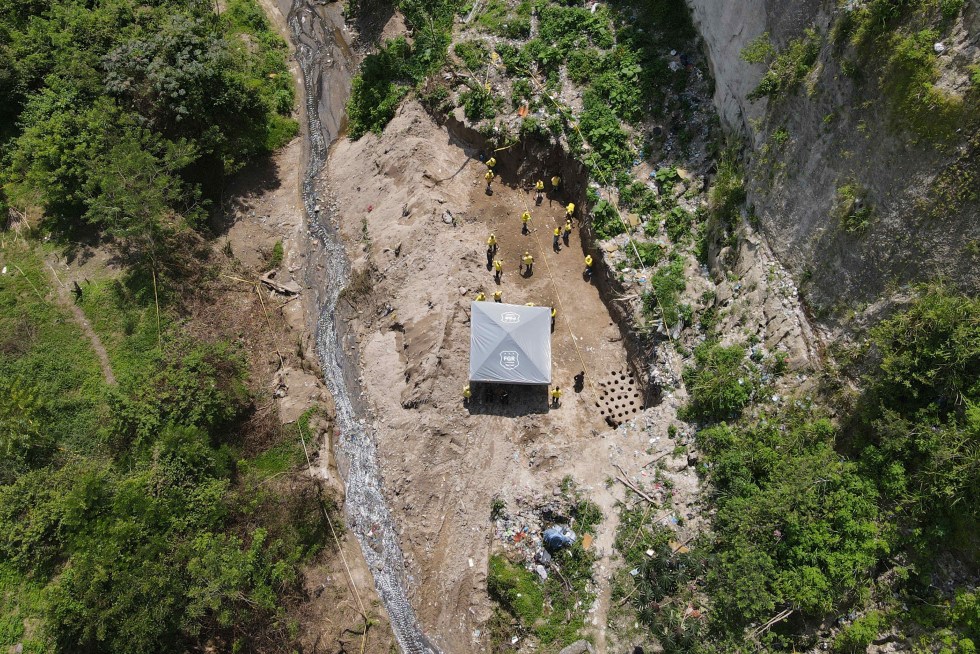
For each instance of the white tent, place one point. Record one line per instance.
(510, 343)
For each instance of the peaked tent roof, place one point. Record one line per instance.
(510, 343)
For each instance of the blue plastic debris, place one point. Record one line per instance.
(558, 537)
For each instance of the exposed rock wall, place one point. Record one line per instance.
(836, 131)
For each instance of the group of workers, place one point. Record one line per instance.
(526, 265)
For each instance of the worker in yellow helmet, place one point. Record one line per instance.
(570, 210)
(555, 244)
(555, 182)
(527, 261)
(556, 397)
(525, 219)
(489, 178)
(588, 265)
(497, 296)
(539, 188)
(498, 269)
(481, 297)
(566, 231)
(467, 394)
(491, 162)
(554, 312)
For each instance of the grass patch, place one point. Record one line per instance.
(663, 298)
(43, 349)
(499, 20)
(850, 209)
(787, 68)
(908, 82)
(21, 609)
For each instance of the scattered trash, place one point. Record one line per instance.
(650, 553)
(541, 571)
(586, 541)
(939, 47)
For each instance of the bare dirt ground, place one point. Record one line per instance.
(414, 211)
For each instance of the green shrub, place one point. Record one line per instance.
(855, 637)
(606, 222)
(650, 254)
(375, 93)
(788, 68)
(758, 50)
(473, 53)
(663, 298)
(796, 524)
(850, 210)
(720, 382)
(478, 104)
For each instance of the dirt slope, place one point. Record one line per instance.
(416, 275)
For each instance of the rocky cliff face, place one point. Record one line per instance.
(853, 197)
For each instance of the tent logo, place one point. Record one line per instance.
(509, 360)
(510, 317)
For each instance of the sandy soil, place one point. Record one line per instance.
(413, 209)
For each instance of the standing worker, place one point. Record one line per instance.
(467, 394)
(481, 297)
(554, 312)
(491, 162)
(567, 230)
(556, 397)
(491, 249)
(528, 261)
(497, 295)
(588, 265)
(489, 178)
(498, 269)
(525, 219)
(555, 182)
(556, 245)
(539, 187)
(569, 210)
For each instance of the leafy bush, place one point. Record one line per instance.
(478, 104)
(855, 637)
(606, 221)
(650, 253)
(720, 382)
(374, 92)
(610, 143)
(497, 19)
(922, 415)
(796, 525)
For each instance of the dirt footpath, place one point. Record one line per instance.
(413, 209)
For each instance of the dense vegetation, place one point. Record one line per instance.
(126, 118)
(818, 518)
(136, 517)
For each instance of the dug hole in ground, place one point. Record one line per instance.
(413, 209)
